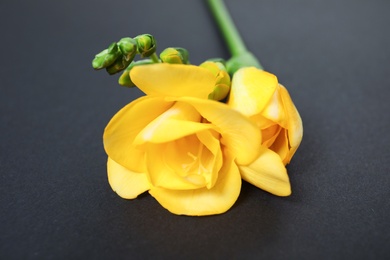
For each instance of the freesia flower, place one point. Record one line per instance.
(258, 95)
(184, 149)
(182, 142)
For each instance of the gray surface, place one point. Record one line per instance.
(333, 56)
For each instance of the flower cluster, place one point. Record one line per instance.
(199, 130)
(191, 151)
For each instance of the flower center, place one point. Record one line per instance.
(195, 171)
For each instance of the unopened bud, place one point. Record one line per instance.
(184, 53)
(128, 47)
(146, 45)
(120, 64)
(174, 56)
(222, 79)
(106, 57)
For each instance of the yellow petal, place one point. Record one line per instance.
(126, 183)
(211, 141)
(169, 130)
(270, 134)
(274, 109)
(173, 80)
(239, 134)
(124, 127)
(280, 145)
(261, 121)
(203, 201)
(294, 123)
(268, 173)
(251, 90)
(178, 121)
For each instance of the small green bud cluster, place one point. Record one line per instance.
(117, 56)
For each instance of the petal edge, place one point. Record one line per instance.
(268, 172)
(127, 184)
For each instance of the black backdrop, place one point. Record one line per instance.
(333, 56)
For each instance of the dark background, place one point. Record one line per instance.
(333, 56)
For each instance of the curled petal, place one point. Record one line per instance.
(280, 145)
(215, 162)
(203, 201)
(261, 121)
(274, 110)
(173, 80)
(270, 134)
(178, 121)
(121, 131)
(251, 90)
(268, 173)
(239, 134)
(126, 183)
(294, 123)
(169, 130)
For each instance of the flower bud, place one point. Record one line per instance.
(128, 47)
(146, 45)
(222, 83)
(125, 79)
(106, 57)
(174, 56)
(120, 64)
(184, 53)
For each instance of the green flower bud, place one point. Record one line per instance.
(120, 64)
(125, 79)
(106, 57)
(184, 53)
(172, 56)
(146, 45)
(128, 47)
(222, 79)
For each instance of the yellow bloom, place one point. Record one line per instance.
(258, 95)
(184, 149)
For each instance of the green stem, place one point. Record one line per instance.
(228, 29)
(154, 58)
(241, 57)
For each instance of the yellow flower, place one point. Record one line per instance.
(184, 149)
(258, 95)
